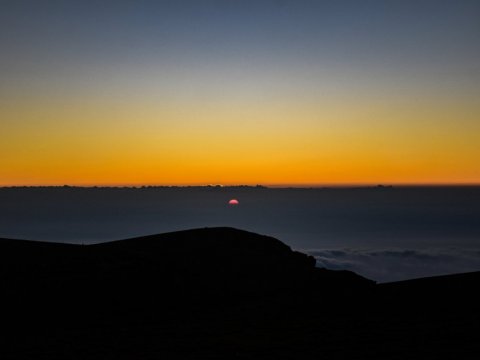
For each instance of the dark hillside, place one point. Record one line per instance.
(220, 293)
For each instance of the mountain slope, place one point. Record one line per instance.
(220, 293)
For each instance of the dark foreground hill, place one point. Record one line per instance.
(221, 293)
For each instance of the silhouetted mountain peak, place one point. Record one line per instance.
(213, 291)
(206, 261)
(216, 239)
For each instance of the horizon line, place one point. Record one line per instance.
(271, 186)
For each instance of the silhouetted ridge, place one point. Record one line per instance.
(202, 263)
(218, 293)
(214, 240)
(195, 263)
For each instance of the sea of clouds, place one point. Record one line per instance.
(385, 265)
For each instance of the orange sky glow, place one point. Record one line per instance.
(287, 100)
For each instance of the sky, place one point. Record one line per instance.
(239, 92)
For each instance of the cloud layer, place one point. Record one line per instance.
(396, 264)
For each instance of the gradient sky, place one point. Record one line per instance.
(239, 92)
